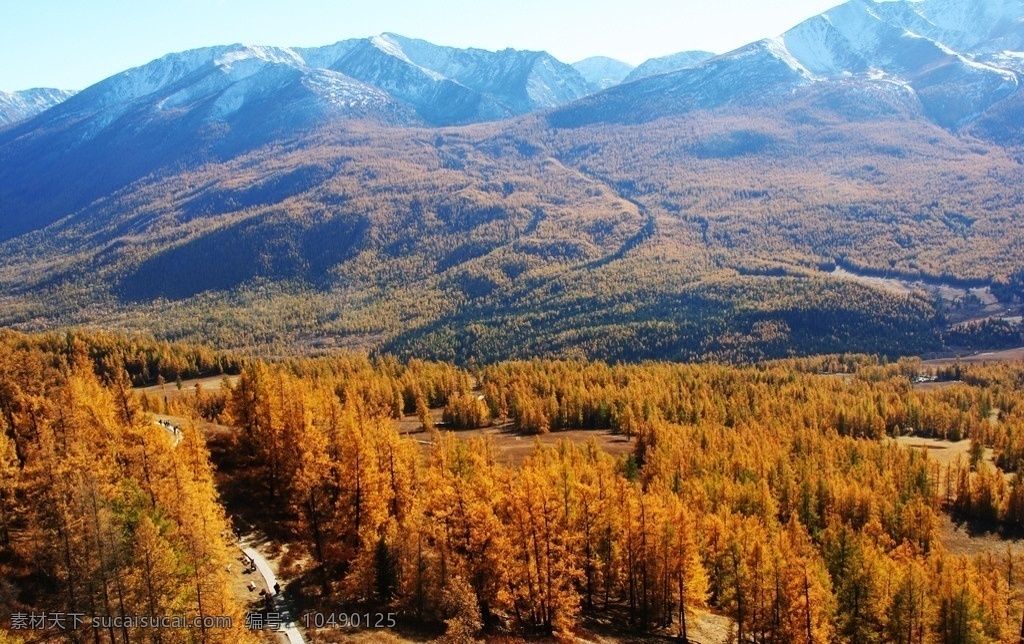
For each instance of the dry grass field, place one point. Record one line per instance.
(962, 538)
(171, 390)
(513, 447)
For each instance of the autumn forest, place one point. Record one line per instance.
(779, 501)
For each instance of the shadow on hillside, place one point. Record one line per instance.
(976, 528)
(273, 246)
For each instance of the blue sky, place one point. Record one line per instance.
(73, 43)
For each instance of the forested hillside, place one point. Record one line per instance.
(103, 514)
(700, 235)
(387, 194)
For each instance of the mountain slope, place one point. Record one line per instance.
(670, 63)
(23, 105)
(749, 75)
(693, 235)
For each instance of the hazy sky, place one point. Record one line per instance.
(71, 44)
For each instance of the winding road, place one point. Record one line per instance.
(288, 626)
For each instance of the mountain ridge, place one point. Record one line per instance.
(670, 63)
(443, 86)
(25, 104)
(861, 41)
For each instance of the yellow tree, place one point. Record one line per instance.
(10, 475)
(199, 537)
(464, 490)
(540, 506)
(593, 519)
(908, 607)
(155, 580)
(803, 589)
(687, 576)
(312, 492)
(956, 606)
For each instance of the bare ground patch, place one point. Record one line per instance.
(936, 384)
(1009, 355)
(945, 452)
(514, 447)
(962, 539)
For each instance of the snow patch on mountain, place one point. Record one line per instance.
(139, 82)
(778, 49)
(327, 57)
(963, 25)
(388, 44)
(519, 81)
(23, 105)
(929, 44)
(670, 63)
(244, 53)
(344, 92)
(906, 35)
(602, 72)
(848, 39)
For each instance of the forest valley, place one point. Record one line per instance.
(774, 496)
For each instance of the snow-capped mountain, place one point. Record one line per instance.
(748, 75)
(958, 57)
(517, 81)
(386, 78)
(670, 63)
(219, 102)
(446, 85)
(23, 105)
(954, 58)
(224, 85)
(878, 40)
(602, 72)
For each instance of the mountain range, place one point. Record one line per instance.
(387, 192)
